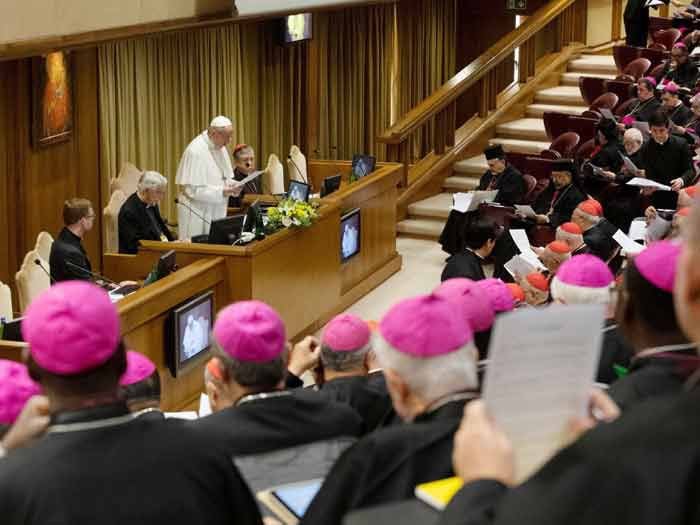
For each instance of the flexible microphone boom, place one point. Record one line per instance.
(94, 275)
(197, 214)
(306, 180)
(38, 263)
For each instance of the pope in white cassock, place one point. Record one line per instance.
(205, 179)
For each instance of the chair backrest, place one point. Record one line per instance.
(591, 88)
(606, 101)
(517, 160)
(555, 123)
(585, 150)
(657, 70)
(530, 185)
(273, 178)
(542, 184)
(623, 55)
(296, 166)
(550, 154)
(43, 245)
(127, 180)
(583, 126)
(5, 302)
(539, 167)
(637, 67)
(111, 221)
(30, 279)
(655, 56)
(566, 144)
(622, 109)
(623, 90)
(666, 37)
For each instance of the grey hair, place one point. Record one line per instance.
(433, 377)
(634, 134)
(151, 180)
(343, 361)
(251, 374)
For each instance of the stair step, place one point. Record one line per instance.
(457, 183)
(533, 147)
(537, 110)
(437, 206)
(423, 228)
(571, 78)
(593, 63)
(524, 128)
(472, 166)
(565, 95)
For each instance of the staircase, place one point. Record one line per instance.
(426, 218)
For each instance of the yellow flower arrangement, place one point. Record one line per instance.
(291, 213)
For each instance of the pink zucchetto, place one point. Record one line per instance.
(651, 80)
(657, 264)
(346, 333)
(250, 331)
(479, 313)
(71, 328)
(138, 368)
(583, 279)
(628, 120)
(425, 326)
(671, 87)
(497, 293)
(16, 387)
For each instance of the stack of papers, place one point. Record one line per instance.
(523, 243)
(629, 246)
(647, 183)
(542, 367)
(519, 267)
(638, 230)
(525, 211)
(465, 202)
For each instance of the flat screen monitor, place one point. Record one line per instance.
(189, 331)
(350, 235)
(12, 330)
(226, 230)
(363, 165)
(298, 191)
(251, 217)
(166, 264)
(297, 28)
(331, 184)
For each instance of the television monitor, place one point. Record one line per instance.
(226, 230)
(166, 264)
(297, 28)
(298, 191)
(12, 330)
(363, 165)
(331, 184)
(189, 329)
(350, 235)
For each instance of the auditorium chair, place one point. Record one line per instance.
(565, 144)
(296, 165)
(517, 160)
(30, 279)
(5, 302)
(539, 167)
(657, 70)
(665, 38)
(43, 245)
(623, 90)
(110, 215)
(127, 180)
(624, 108)
(555, 123)
(606, 101)
(273, 178)
(635, 70)
(584, 126)
(657, 23)
(591, 88)
(530, 186)
(623, 55)
(655, 56)
(584, 151)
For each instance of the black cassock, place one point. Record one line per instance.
(281, 421)
(562, 206)
(510, 185)
(666, 162)
(387, 465)
(68, 260)
(642, 110)
(643, 469)
(138, 222)
(659, 375)
(466, 264)
(636, 18)
(128, 470)
(372, 405)
(615, 351)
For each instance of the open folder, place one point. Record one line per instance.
(466, 202)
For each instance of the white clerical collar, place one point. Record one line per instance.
(211, 145)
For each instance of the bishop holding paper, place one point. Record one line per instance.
(205, 179)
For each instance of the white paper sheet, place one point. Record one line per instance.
(638, 230)
(188, 414)
(204, 405)
(542, 366)
(519, 267)
(525, 210)
(647, 183)
(250, 177)
(628, 245)
(465, 202)
(523, 244)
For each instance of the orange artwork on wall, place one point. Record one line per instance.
(53, 98)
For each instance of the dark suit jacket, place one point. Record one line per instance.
(253, 187)
(465, 264)
(668, 161)
(67, 258)
(510, 185)
(599, 240)
(371, 404)
(564, 206)
(135, 224)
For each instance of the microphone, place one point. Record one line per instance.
(178, 201)
(306, 180)
(94, 275)
(38, 263)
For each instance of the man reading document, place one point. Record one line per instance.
(205, 178)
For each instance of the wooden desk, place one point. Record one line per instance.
(298, 271)
(143, 317)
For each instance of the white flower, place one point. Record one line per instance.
(286, 222)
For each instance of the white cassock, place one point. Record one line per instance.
(202, 174)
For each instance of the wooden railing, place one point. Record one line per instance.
(567, 19)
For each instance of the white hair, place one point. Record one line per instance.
(572, 294)
(151, 180)
(634, 134)
(431, 378)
